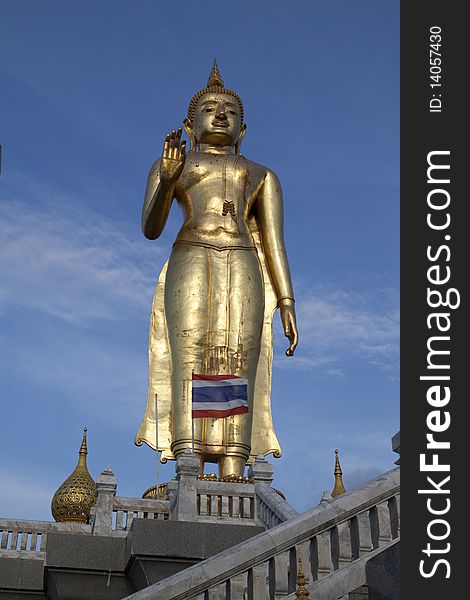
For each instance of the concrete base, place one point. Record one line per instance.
(92, 585)
(21, 578)
(94, 552)
(144, 570)
(158, 549)
(383, 575)
(94, 567)
(359, 594)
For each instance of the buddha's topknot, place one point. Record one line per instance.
(215, 84)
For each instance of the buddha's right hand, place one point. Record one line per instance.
(173, 157)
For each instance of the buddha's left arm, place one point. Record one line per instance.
(270, 217)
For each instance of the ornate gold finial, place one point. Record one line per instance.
(73, 500)
(339, 485)
(215, 83)
(83, 447)
(302, 593)
(215, 78)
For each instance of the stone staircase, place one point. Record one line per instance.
(334, 542)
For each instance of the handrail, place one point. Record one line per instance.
(343, 581)
(271, 508)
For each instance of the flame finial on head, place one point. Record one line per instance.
(215, 83)
(215, 78)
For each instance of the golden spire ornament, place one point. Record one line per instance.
(339, 485)
(302, 593)
(215, 78)
(73, 500)
(215, 84)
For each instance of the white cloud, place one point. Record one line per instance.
(361, 475)
(69, 262)
(335, 325)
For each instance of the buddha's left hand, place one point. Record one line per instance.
(286, 306)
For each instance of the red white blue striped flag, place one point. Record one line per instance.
(218, 396)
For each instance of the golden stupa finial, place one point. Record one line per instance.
(215, 83)
(301, 593)
(339, 485)
(73, 500)
(215, 78)
(83, 448)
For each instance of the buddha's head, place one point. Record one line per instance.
(215, 115)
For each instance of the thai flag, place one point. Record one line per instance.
(218, 396)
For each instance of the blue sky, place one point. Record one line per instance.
(88, 91)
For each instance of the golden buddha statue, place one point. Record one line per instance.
(215, 299)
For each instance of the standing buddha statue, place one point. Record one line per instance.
(215, 299)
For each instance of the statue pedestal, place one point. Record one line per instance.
(247, 501)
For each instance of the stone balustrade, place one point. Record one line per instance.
(339, 583)
(220, 500)
(20, 537)
(328, 539)
(113, 515)
(271, 508)
(125, 510)
(30, 537)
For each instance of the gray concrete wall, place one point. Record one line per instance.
(383, 575)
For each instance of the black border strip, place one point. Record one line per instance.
(422, 132)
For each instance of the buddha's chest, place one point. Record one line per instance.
(209, 182)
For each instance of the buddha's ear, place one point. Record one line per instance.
(240, 139)
(188, 127)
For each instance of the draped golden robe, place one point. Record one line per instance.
(213, 437)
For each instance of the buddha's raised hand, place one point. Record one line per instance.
(173, 157)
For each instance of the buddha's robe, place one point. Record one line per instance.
(212, 313)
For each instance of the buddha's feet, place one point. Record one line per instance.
(231, 466)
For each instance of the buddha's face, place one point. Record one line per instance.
(217, 120)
